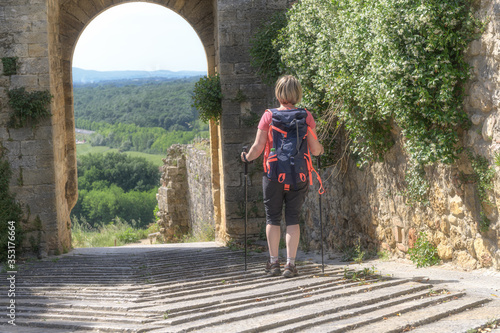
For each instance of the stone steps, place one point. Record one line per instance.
(463, 321)
(161, 292)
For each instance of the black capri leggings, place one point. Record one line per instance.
(274, 197)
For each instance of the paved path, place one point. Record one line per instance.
(200, 287)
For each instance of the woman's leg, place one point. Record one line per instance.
(273, 239)
(292, 240)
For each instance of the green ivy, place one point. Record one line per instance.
(265, 48)
(483, 179)
(423, 253)
(379, 64)
(207, 98)
(417, 185)
(10, 210)
(29, 107)
(9, 65)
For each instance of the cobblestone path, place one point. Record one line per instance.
(203, 288)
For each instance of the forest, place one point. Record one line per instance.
(116, 185)
(144, 115)
(161, 103)
(140, 115)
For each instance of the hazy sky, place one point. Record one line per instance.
(139, 36)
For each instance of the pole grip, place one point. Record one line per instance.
(245, 150)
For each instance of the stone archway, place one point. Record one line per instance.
(42, 37)
(66, 21)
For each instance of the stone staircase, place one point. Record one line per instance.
(203, 288)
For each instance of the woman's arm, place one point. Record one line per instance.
(257, 147)
(315, 147)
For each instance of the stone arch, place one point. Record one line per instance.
(66, 21)
(42, 37)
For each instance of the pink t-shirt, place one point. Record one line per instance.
(267, 117)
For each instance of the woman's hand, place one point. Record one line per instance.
(243, 157)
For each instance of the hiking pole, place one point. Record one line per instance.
(321, 222)
(246, 200)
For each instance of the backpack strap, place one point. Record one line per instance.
(311, 169)
(269, 143)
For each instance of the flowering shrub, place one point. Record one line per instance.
(384, 63)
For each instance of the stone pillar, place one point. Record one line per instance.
(237, 21)
(173, 198)
(32, 152)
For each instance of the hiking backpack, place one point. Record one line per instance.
(287, 158)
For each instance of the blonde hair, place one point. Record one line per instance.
(288, 90)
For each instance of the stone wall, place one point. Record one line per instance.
(32, 152)
(368, 205)
(201, 206)
(185, 197)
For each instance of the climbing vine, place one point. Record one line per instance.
(207, 98)
(483, 178)
(10, 211)
(9, 65)
(29, 107)
(380, 64)
(265, 48)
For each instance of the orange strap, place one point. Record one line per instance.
(269, 160)
(302, 176)
(269, 144)
(287, 187)
(311, 169)
(321, 189)
(279, 130)
(312, 133)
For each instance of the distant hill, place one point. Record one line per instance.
(89, 76)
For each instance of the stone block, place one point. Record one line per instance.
(488, 128)
(18, 81)
(25, 162)
(483, 254)
(21, 134)
(38, 176)
(13, 148)
(31, 38)
(36, 147)
(231, 107)
(30, 66)
(475, 48)
(44, 81)
(444, 226)
(456, 207)
(226, 69)
(230, 121)
(445, 251)
(233, 54)
(465, 260)
(402, 247)
(44, 161)
(4, 134)
(480, 97)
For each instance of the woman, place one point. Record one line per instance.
(288, 93)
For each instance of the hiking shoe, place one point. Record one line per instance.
(273, 269)
(290, 271)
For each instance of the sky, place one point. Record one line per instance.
(139, 36)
